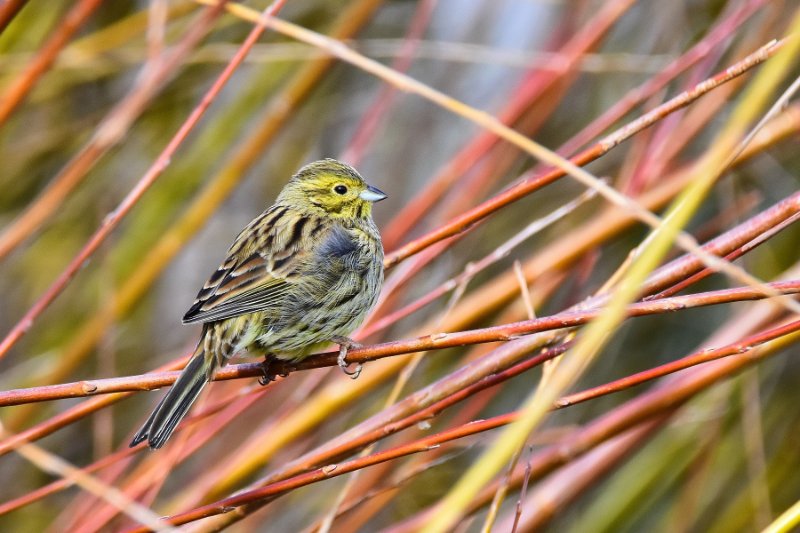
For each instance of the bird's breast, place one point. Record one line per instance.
(333, 295)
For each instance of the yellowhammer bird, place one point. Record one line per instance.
(302, 274)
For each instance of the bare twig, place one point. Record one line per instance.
(435, 341)
(9, 10)
(23, 83)
(53, 464)
(748, 348)
(156, 169)
(153, 77)
(522, 189)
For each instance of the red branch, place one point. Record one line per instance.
(435, 341)
(9, 10)
(272, 490)
(533, 87)
(113, 219)
(465, 221)
(23, 84)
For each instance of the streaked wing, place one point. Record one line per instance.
(257, 273)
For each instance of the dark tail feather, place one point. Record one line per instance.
(180, 397)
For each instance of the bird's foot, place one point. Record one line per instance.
(268, 375)
(345, 343)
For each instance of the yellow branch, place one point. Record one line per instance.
(667, 232)
(595, 336)
(786, 522)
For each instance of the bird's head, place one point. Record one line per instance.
(332, 187)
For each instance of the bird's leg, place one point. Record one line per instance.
(267, 374)
(345, 343)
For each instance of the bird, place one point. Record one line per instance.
(303, 274)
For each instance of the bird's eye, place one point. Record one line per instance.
(340, 189)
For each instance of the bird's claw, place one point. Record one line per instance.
(267, 374)
(352, 373)
(266, 377)
(344, 345)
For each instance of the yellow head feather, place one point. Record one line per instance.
(332, 188)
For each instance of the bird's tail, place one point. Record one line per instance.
(180, 397)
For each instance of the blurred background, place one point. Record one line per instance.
(94, 91)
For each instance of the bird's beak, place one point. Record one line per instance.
(372, 194)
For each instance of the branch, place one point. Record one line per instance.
(23, 83)
(749, 348)
(434, 341)
(153, 76)
(156, 169)
(463, 222)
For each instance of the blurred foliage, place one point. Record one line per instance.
(696, 475)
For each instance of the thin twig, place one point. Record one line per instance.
(435, 341)
(156, 169)
(55, 465)
(35, 68)
(9, 10)
(751, 345)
